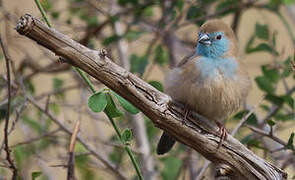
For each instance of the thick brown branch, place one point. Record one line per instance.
(154, 104)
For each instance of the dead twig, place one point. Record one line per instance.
(6, 146)
(71, 162)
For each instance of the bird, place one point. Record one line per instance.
(211, 81)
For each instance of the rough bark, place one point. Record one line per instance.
(198, 133)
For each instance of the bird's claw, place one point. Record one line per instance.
(186, 112)
(222, 133)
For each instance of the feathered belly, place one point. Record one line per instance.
(215, 95)
(214, 99)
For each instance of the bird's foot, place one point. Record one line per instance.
(186, 112)
(222, 133)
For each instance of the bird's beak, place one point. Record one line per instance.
(204, 39)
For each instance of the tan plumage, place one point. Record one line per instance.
(212, 81)
(213, 98)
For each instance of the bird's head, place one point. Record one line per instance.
(216, 40)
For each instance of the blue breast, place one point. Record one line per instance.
(211, 68)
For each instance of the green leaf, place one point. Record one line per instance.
(262, 31)
(46, 4)
(138, 64)
(287, 68)
(179, 4)
(264, 84)
(20, 155)
(36, 174)
(274, 38)
(252, 142)
(172, 166)
(152, 132)
(161, 55)
(85, 15)
(289, 100)
(288, 2)
(261, 47)
(82, 163)
(275, 99)
(33, 124)
(125, 2)
(55, 108)
(249, 43)
(283, 117)
(290, 141)
(115, 156)
(55, 14)
(133, 35)
(157, 85)
(111, 109)
(271, 73)
(57, 83)
(271, 122)
(92, 21)
(107, 41)
(148, 12)
(264, 107)
(226, 6)
(127, 136)
(195, 12)
(97, 102)
(275, 4)
(30, 87)
(125, 104)
(252, 120)
(3, 111)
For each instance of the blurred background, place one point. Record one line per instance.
(147, 37)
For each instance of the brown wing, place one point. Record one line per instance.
(186, 59)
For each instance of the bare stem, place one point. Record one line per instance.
(6, 146)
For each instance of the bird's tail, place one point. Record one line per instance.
(165, 144)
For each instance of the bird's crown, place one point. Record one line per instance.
(217, 39)
(216, 25)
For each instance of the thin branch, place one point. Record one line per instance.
(244, 119)
(6, 146)
(269, 135)
(49, 134)
(18, 112)
(71, 162)
(203, 170)
(57, 91)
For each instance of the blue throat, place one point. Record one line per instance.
(217, 49)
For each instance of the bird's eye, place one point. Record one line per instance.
(218, 37)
